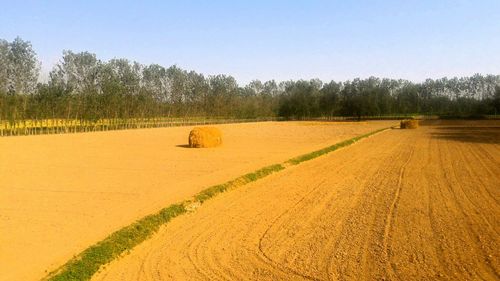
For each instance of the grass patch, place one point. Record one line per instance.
(88, 262)
(250, 177)
(323, 151)
(83, 266)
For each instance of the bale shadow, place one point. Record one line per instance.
(183, 146)
(469, 134)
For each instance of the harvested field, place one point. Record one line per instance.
(401, 205)
(60, 194)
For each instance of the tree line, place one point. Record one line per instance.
(81, 86)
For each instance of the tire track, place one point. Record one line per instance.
(391, 216)
(466, 210)
(405, 206)
(479, 182)
(457, 197)
(269, 259)
(363, 206)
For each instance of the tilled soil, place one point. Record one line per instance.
(59, 194)
(401, 205)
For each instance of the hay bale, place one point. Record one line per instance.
(205, 137)
(409, 124)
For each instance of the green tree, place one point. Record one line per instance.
(4, 66)
(22, 67)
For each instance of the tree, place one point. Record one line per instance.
(223, 90)
(301, 99)
(83, 87)
(496, 101)
(77, 72)
(22, 66)
(329, 98)
(156, 82)
(4, 66)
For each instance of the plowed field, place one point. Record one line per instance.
(59, 194)
(401, 205)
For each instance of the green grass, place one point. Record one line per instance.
(87, 263)
(250, 177)
(83, 266)
(323, 151)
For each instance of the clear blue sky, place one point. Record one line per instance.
(282, 40)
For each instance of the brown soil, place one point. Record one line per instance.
(401, 205)
(61, 193)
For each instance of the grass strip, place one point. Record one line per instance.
(317, 153)
(88, 262)
(250, 177)
(83, 266)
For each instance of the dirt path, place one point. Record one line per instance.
(403, 205)
(59, 194)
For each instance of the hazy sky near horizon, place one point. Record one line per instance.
(282, 40)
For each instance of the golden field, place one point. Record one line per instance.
(401, 205)
(61, 193)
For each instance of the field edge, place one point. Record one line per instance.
(84, 265)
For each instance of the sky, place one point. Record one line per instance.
(281, 40)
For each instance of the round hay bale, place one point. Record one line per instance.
(201, 137)
(409, 124)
